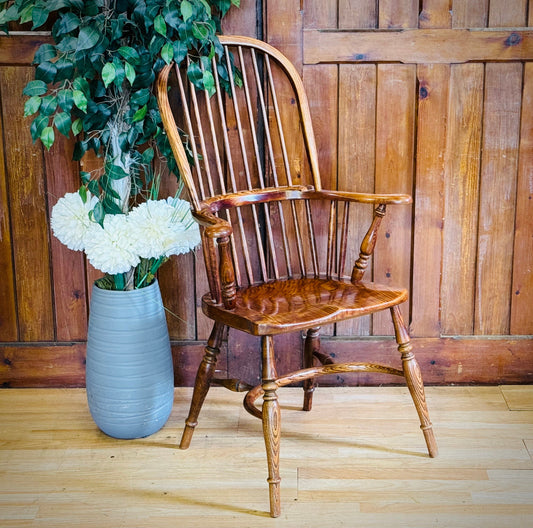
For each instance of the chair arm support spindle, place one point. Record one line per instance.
(227, 273)
(368, 245)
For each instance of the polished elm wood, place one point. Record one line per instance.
(275, 242)
(58, 470)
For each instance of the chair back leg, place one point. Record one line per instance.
(203, 381)
(312, 346)
(413, 378)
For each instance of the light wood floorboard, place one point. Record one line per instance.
(357, 460)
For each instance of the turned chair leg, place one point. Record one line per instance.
(271, 424)
(312, 345)
(413, 377)
(203, 380)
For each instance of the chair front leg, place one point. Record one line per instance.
(204, 376)
(413, 377)
(271, 424)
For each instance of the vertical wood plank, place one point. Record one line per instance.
(463, 161)
(357, 14)
(26, 184)
(356, 159)
(321, 84)
(522, 290)
(435, 14)
(395, 125)
(398, 14)
(68, 267)
(470, 13)
(507, 13)
(320, 14)
(8, 307)
(501, 122)
(428, 201)
(283, 22)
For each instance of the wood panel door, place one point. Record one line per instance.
(432, 98)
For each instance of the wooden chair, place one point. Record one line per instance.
(275, 242)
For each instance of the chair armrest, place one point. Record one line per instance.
(369, 198)
(215, 227)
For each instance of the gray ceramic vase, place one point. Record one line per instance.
(129, 374)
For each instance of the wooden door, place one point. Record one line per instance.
(432, 98)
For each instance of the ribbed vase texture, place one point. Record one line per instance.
(129, 374)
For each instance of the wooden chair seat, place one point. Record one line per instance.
(289, 305)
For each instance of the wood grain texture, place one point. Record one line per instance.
(463, 160)
(433, 82)
(501, 128)
(522, 288)
(395, 124)
(421, 46)
(8, 308)
(357, 14)
(356, 158)
(363, 468)
(69, 286)
(398, 14)
(28, 210)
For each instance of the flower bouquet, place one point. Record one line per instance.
(129, 248)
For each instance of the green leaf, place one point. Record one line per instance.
(45, 53)
(77, 126)
(67, 23)
(32, 105)
(98, 213)
(92, 185)
(186, 10)
(167, 53)
(88, 38)
(200, 31)
(130, 72)
(108, 73)
(35, 88)
(80, 100)
(65, 100)
(46, 71)
(63, 123)
(195, 74)
(80, 83)
(130, 54)
(47, 137)
(39, 16)
(148, 155)
(160, 25)
(25, 14)
(180, 51)
(140, 97)
(82, 191)
(115, 172)
(140, 114)
(236, 3)
(48, 105)
(85, 177)
(37, 126)
(209, 82)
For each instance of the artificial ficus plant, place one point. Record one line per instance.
(95, 80)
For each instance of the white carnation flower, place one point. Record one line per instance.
(163, 228)
(110, 248)
(70, 219)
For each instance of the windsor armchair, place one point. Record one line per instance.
(276, 245)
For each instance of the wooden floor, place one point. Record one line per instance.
(363, 465)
